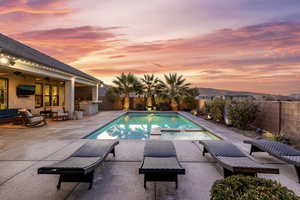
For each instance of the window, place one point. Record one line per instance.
(47, 95)
(54, 96)
(51, 95)
(3, 93)
(38, 95)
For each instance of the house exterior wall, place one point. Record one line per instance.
(15, 101)
(19, 102)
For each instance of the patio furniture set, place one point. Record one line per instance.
(24, 116)
(160, 162)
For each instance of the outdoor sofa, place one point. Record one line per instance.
(160, 162)
(80, 166)
(8, 115)
(58, 113)
(279, 150)
(232, 160)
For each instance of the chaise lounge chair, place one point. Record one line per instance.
(80, 166)
(160, 162)
(278, 150)
(233, 160)
(31, 120)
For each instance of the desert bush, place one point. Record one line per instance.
(208, 108)
(215, 109)
(242, 113)
(250, 188)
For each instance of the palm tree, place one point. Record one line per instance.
(127, 84)
(150, 87)
(174, 88)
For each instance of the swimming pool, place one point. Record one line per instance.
(152, 126)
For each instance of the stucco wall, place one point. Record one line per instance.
(280, 117)
(27, 102)
(268, 116)
(290, 119)
(19, 102)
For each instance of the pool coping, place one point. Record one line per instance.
(139, 111)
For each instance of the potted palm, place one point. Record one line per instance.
(174, 88)
(150, 87)
(127, 84)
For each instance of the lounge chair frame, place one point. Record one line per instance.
(256, 147)
(229, 170)
(161, 174)
(78, 175)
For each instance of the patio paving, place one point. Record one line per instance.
(24, 150)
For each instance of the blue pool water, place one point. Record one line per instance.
(143, 126)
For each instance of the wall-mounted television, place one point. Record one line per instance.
(25, 90)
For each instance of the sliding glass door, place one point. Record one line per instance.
(3, 93)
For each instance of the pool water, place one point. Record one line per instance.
(143, 125)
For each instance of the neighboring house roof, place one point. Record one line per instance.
(13, 47)
(210, 96)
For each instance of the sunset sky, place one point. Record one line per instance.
(249, 45)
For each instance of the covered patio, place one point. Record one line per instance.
(52, 83)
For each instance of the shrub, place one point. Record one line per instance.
(218, 110)
(242, 113)
(250, 188)
(215, 109)
(111, 95)
(188, 103)
(208, 108)
(163, 106)
(140, 106)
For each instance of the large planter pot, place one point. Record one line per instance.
(174, 105)
(126, 103)
(78, 115)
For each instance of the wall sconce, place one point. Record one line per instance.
(6, 61)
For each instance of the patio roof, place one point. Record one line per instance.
(15, 48)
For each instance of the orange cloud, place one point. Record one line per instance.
(69, 44)
(34, 7)
(254, 58)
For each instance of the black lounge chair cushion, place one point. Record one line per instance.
(245, 163)
(161, 165)
(295, 159)
(84, 160)
(95, 148)
(160, 157)
(277, 148)
(223, 149)
(159, 149)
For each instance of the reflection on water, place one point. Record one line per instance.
(139, 126)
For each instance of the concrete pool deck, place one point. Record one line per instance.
(23, 150)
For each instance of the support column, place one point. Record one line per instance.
(95, 91)
(70, 96)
